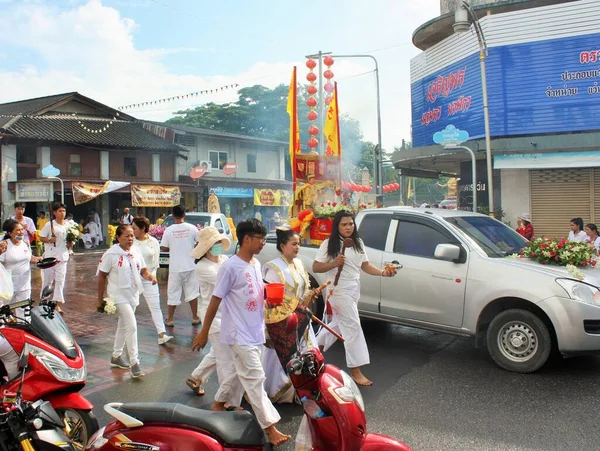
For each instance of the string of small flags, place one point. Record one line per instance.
(180, 97)
(98, 130)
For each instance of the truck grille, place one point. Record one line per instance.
(592, 326)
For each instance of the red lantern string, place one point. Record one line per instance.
(328, 74)
(311, 102)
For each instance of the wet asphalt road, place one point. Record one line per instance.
(433, 391)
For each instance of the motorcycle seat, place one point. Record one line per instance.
(233, 428)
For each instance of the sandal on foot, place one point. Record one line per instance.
(171, 324)
(233, 409)
(195, 322)
(197, 389)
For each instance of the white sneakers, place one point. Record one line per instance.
(164, 339)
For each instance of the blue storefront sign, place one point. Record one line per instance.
(233, 192)
(549, 86)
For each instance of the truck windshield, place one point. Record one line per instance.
(495, 239)
(204, 221)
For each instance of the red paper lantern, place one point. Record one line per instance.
(328, 74)
(355, 187)
(367, 189)
(328, 87)
(396, 186)
(311, 89)
(327, 100)
(312, 142)
(311, 76)
(328, 60)
(311, 102)
(311, 64)
(312, 130)
(386, 188)
(312, 116)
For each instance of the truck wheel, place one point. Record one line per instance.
(80, 425)
(518, 341)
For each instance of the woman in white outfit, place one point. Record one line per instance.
(344, 299)
(17, 258)
(209, 251)
(122, 265)
(54, 237)
(576, 233)
(591, 230)
(150, 249)
(289, 270)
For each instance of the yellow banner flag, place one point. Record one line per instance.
(331, 129)
(292, 110)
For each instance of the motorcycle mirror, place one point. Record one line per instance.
(48, 290)
(24, 358)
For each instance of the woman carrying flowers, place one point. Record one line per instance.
(123, 267)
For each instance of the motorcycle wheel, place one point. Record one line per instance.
(80, 425)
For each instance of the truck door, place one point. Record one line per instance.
(425, 288)
(373, 230)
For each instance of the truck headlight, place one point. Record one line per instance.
(580, 291)
(350, 392)
(57, 367)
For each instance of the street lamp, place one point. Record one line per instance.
(461, 24)
(377, 160)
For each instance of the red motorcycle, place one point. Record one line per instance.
(56, 370)
(339, 423)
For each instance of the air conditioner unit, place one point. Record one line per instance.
(207, 165)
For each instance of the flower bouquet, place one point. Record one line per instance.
(559, 251)
(73, 235)
(157, 231)
(112, 233)
(107, 306)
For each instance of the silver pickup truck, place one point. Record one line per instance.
(455, 276)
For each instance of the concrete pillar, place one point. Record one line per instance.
(156, 167)
(43, 159)
(104, 165)
(8, 168)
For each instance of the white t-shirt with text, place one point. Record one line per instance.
(111, 264)
(181, 240)
(242, 293)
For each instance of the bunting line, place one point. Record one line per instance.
(180, 97)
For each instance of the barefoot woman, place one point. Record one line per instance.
(344, 300)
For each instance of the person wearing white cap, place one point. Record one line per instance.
(209, 252)
(525, 228)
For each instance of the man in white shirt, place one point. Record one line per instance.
(126, 218)
(240, 289)
(25, 221)
(179, 239)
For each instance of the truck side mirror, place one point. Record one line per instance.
(449, 252)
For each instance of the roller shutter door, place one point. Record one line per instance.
(557, 195)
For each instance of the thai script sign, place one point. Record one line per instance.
(550, 86)
(272, 197)
(84, 192)
(155, 196)
(34, 192)
(233, 192)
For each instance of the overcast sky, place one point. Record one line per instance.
(121, 52)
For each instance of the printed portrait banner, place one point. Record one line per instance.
(155, 196)
(272, 197)
(84, 192)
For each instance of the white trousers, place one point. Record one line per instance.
(346, 322)
(9, 358)
(58, 273)
(126, 333)
(250, 373)
(219, 358)
(277, 383)
(152, 296)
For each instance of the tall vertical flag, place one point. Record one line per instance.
(292, 110)
(331, 130)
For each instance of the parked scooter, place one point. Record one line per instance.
(29, 426)
(332, 402)
(57, 369)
